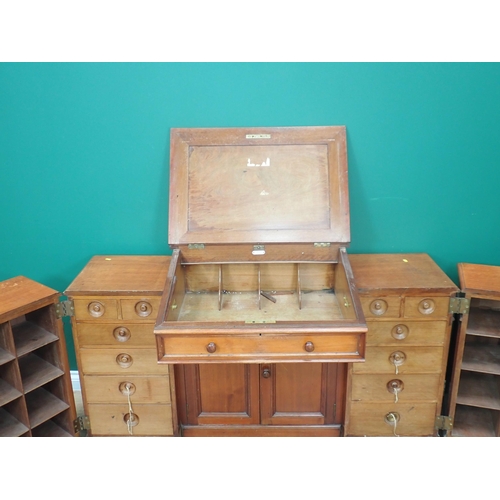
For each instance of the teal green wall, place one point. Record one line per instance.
(84, 153)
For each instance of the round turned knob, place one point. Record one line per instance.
(127, 388)
(400, 332)
(394, 386)
(211, 347)
(121, 333)
(96, 309)
(309, 346)
(143, 309)
(131, 419)
(397, 358)
(392, 418)
(124, 360)
(426, 306)
(266, 372)
(378, 307)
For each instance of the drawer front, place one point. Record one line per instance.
(382, 419)
(148, 420)
(118, 362)
(381, 307)
(406, 333)
(237, 348)
(111, 389)
(115, 335)
(426, 307)
(389, 387)
(140, 309)
(400, 360)
(96, 309)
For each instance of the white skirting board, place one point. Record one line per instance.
(75, 380)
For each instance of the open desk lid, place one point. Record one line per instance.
(258, 185)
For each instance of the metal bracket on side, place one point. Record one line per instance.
(459, 305)
(443, 423)
(81, 424)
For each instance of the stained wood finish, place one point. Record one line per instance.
(36, 397)
(243, 399)
(475, 381)
(116, 347)
(400, 387)
(288, 185)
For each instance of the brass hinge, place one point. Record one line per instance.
(65, 308)
(196, 246)
(321, 245)
(81, 424)
(459, 305)
(443, 423)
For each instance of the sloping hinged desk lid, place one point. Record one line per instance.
(259, 186)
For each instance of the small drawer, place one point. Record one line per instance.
(141, 390)
(115, 335)
(147, 420)
(396, 388)
(120, 361)
(418, 333)
(426, 307)
(381, 307)
(140, 309)
(264, 347)
(400, 360)
(382, 419)
(95, 309)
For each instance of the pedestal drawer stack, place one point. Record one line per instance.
(125, 391)
(399, 389)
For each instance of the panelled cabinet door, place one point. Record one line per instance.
(260, 396)
(300, 393)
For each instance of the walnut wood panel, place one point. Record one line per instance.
(405, 333)
(377, 419)
(223, 192)
(115, 335)
(218, 394)
(259, 348)
(480, 280)
(116, 389)
(262, 431)
(127, 360)
(414, 387)
(110, 420)
(121, 275)
(302, 394)
(401, 360)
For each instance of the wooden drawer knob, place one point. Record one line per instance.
(266, 372)
(96, 309)
(143, 309)
(400, 332)
(378, 307)
(124, 360)
(211, 347)
(392, 418)
(397, 358)
(127, 388)
(309, 346)
(426, 306)
(395, 385)
(131, 419)
(121, 333)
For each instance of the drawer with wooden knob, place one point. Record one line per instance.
(401, 359)
(407, 332)
(117, 389)
(383, 419)
(236, 348)
(426, 307)
(395, 388)
(381, 307)
(118, 420)
(115, 335)
(116, 361)
(99, 308)
(145, 309)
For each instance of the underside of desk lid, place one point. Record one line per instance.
(231, 186)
